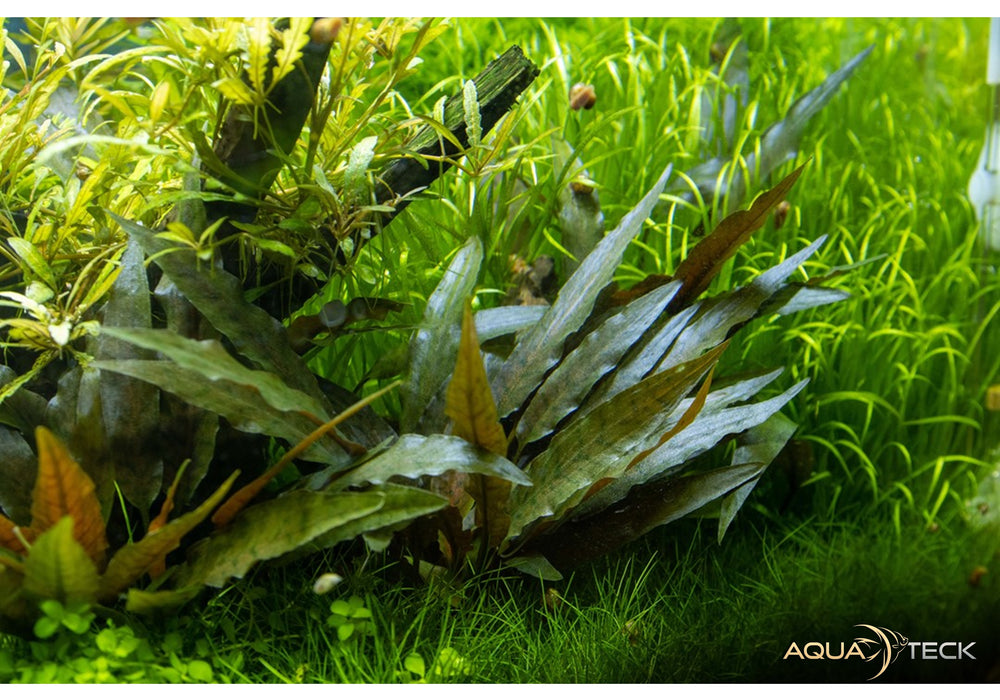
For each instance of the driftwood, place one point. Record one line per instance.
(249, 165)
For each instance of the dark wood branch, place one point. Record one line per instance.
(241, 152)
(498, 87)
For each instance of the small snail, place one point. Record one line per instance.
(582, 96)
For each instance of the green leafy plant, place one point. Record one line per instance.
(606, 403)
(284, 191)
(447, 665)
(76, 652)
(350, 618)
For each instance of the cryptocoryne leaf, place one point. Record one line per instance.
(150, 602)
(158, 567)
(402, 504)
(702, 435)
(602, 444)
(418, 455)
(597, 355)
(473, 411)
(246, 494)
(130, 408)
(761, 444)
(541, 346)
(719, 316)
(218, 295)
(469, 402)
(210, 359)
(645, 508)
(17, 474)
(239, 404)
(59, 568)
(705, 260)
(62, 488)
(271, 529)
(131, 561)
(435, 345)
(501, 320)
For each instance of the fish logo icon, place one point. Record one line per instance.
(885, 645)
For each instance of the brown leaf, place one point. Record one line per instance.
(706, 259)
(469, 402)
(63, 488)
(470, 405)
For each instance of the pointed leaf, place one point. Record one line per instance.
(240, 405)
(798, 297)
(130, 408)
(645, 508)
(502, 320)
(640, 360)
(704, 434)
(537, 566)
(210, 359)
(131, 561)
(218, 295)
(718, 317)
(761, 444)
(417, 455)
(469, 401)
(258, 52)
(597, 355)
(602, 444)
(541, 345)
(157, 568)
(238, 500)
(434, 345)
(59, 568)
(270, 529)
(63, 488)
(34, 261)
(706, 259)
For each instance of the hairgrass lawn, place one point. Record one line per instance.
(900, 506)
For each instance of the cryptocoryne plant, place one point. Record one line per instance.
(607, 403)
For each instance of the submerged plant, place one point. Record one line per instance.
(607, 402)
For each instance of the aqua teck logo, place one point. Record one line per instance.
(881, 647)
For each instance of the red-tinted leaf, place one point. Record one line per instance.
(706, 259)
(63, 488)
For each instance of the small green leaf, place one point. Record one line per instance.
(58, 567)
(345, 631)
(414, 663)
(200, 671)
(45, 627)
